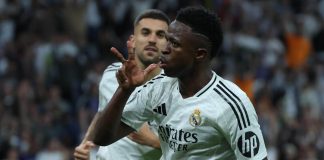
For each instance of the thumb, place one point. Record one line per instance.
(89, 144)
(149, 69)
(131, 136)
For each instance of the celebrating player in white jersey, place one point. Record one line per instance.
(200, 115)
(148, 39)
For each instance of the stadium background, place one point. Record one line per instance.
(53, 53)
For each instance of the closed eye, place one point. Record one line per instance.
(174, 43)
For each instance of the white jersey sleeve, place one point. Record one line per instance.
(139, 106)
(239, 123)
(108, 85)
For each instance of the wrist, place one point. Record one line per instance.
(156, 145)
(127, 91)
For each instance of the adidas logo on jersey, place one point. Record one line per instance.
(160, 109)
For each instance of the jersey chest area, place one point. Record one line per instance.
(186, 125)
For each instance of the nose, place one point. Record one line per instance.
(152, 38)
(167, 48)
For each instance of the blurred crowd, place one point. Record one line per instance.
(53, 53)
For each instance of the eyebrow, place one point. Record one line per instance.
(144, 28)
(159, 30)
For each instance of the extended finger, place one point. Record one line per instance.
(81, 151)
(131, 50)
(121, 77)
(89, 144)
(81, 155)
(119, 56)
(131, 136)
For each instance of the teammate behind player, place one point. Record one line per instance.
(200, 115)
(148, 39)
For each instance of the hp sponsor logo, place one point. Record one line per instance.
(248, 144)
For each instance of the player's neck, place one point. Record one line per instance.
(139, 63)
(189, 85)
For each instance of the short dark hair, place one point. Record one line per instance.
(154, 14)
(204, 22)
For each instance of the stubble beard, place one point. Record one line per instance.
(147, 61)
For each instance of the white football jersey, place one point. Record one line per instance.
(218, 122)
(125, 148)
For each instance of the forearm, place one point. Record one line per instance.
(108, 122)
(145, 137)
(89, 134)
(82, 151)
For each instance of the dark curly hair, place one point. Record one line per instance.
(203, 22)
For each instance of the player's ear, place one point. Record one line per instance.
(131, 38)
(201, 53)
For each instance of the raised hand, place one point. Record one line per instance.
(145, 136)
(82, 152)
(130, 75)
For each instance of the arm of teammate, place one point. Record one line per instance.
(109, 127)
(145, 136)
(107, 87)
(82, 151)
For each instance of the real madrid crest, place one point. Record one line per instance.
(195, 119)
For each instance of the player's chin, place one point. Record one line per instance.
(151, 59)
(169, 72)
(151, 53)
